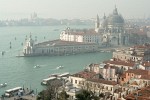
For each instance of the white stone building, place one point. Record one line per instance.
(86, 36)
(107, 72)
(57, 47)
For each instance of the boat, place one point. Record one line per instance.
(60, 67)
(12, 92)
(102, 51)
(48, 80)
(56, 29)
(3, 85)
(3, 52)
(64, 74)
(55, 74)
(37, 66)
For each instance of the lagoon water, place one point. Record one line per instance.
(20, 71)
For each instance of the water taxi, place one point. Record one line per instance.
(64, 74)
(12, 92)
(3, 85)
(37, 66)
(48, 80)
(3, 52)
(59, 67)
(56, 29)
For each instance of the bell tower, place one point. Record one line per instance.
(97, 23)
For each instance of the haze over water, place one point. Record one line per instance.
(68, 9)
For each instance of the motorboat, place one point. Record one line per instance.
(56, 29)
(48, 80)
(12, 91)
(37, 66)
(3, 52)
(3, 85)
(60, 67)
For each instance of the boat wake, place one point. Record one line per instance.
(59, 67)
(3, 85)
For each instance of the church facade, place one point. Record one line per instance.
(112, 30)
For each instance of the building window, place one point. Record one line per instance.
(79, 82)
(94, 85)
(111, 89)
(76, 81)
(106, 88)
(42, 51)
(91, 84)
(98, 86)
(82, 83)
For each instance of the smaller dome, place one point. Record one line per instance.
(104, 22)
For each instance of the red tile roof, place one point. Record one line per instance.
(142, 46)
(107, 66)
(85, 74)
(147, 77)
(94, 65)
(143, 94)
(138, 71)
(146, 64)
(134, 83)
(59, 42)
(83, 32)
(130, 64)
(103, 81)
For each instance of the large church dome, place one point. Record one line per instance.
(115, 18)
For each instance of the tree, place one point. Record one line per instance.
(86, 95)
(51, 91)
(63, 95)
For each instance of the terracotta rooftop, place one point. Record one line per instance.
(146, 64)
(83, 32)
(59, 42)
(123, 75)
(93, 65)
(143, 94)
(142, 46)
(85, 74)
(147, 77)
(130, 64)
(134, 83)
(107, 66)
(118, 90)
(138, 71)
(103, 81)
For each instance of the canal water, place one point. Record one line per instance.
(20, 71)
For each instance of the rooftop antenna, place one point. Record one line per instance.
(104, 16)
(30, 35)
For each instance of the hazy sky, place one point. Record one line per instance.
(16, 9)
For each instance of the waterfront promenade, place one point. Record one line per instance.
(27, 97)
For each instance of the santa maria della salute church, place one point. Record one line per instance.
(109, 32)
